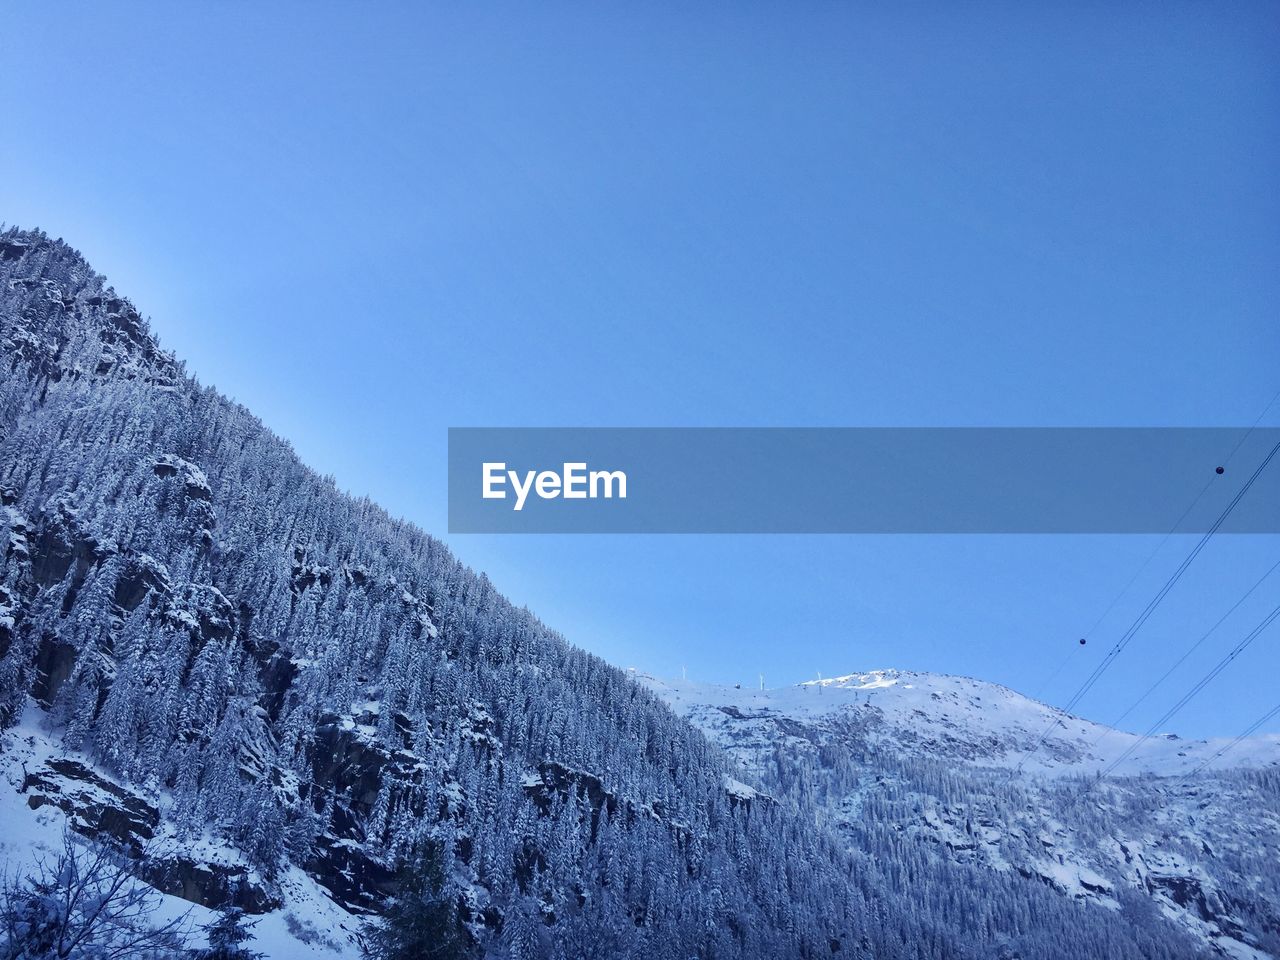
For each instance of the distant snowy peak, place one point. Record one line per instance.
(945, 717)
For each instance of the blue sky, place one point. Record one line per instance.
(370, 223)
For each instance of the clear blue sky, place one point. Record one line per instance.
(371, 222)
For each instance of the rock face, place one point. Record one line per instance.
(103, 810)
(215, 885)
(351, 772)
(556, 781)
(54, 662)
(55, 552)
(142, 577)
(94, 806)
(350, 766)
(62, 549)
(358, 881)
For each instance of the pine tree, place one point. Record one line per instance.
(227, 937)
(521, 930)
(421, 922)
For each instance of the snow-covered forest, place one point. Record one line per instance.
(929, 766)
(247, 681)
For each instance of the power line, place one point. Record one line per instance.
(1155, 602)
(1190, 650)
(1132, 580)
(1199, 685)
(1252, 427)
(1114, 726)
(1248, 732)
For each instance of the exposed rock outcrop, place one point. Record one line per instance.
(105, 811)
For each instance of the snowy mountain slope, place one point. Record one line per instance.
(36, 808)
(892, 758)
(952, 718)
(232, 648)
(205, 644)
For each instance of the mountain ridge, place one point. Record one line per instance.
(1073, 744)
(196, 609)
(200, 637)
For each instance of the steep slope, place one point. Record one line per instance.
(947, 765)
(260, 687)
(217, 633)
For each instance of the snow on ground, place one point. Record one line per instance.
(739, 789)
(981, 723)
(308, 925)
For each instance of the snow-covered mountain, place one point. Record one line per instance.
(950, 765)
(219, 665)
(262, 694)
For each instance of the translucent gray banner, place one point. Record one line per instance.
(863, 480)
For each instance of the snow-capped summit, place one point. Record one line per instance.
(949, 718)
